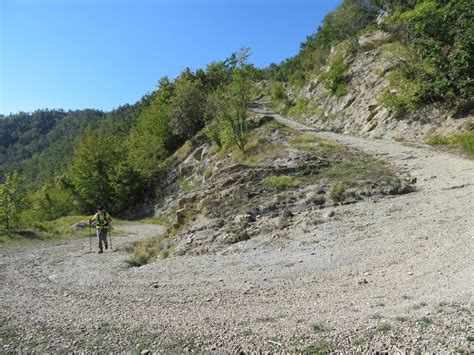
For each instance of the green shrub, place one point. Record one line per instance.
(439, 36)
(164, 254)
(145, 251)
(278, 94)
(141, 255)
(335, 79)
(299, 107)
(212, 132)
(399, 102)
(281, 182)
(438, 140)
(337, 191)
(466, 141)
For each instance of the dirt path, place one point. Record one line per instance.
(392, 274)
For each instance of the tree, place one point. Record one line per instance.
(89, 172)
(12, 201)
(152, 139)
(343, 23)
(230, 104)
(188, 108)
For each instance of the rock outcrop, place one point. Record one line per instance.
(359, 112)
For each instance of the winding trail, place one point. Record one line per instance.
(392, 274)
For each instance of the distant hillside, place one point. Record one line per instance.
(29, 141)
(40, 144)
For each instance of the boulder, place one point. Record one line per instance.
(245, 217)
(328, 214)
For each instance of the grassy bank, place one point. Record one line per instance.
(463, 141)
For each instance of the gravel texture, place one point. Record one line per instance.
(392, 274)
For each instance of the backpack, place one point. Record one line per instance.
(103, 223)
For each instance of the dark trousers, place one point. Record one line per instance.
(102, 237)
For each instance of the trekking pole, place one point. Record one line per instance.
(90, 237)
(110, 236)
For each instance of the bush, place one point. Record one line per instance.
(143, 253)
(414, 80)
(278, 94)
(335, 79)
(440, 34)
(398, 102)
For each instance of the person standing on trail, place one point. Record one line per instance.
(102, 221)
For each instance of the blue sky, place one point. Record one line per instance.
(75, 54)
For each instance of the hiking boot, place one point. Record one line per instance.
(106, 247)
(100, 252)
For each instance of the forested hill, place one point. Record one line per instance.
(40, 144)
(27, 135)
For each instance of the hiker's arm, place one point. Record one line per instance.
(92, 219)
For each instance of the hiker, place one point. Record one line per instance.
(102, 221)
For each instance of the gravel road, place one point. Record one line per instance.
(392, 274)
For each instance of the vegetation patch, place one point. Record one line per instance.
(144, 252)
(384, 327)
(424, 321)
(360, 341)
(355, 170)
(322, 347)
(335, 80)
(319, 327)
(281, 182)
(337, 191)
(311, 141)
(465, 141)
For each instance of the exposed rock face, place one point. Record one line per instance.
(359, 113)
(220, 200)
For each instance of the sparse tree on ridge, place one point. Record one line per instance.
(230, 104)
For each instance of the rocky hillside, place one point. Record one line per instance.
(216, 198)
(360, 111)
